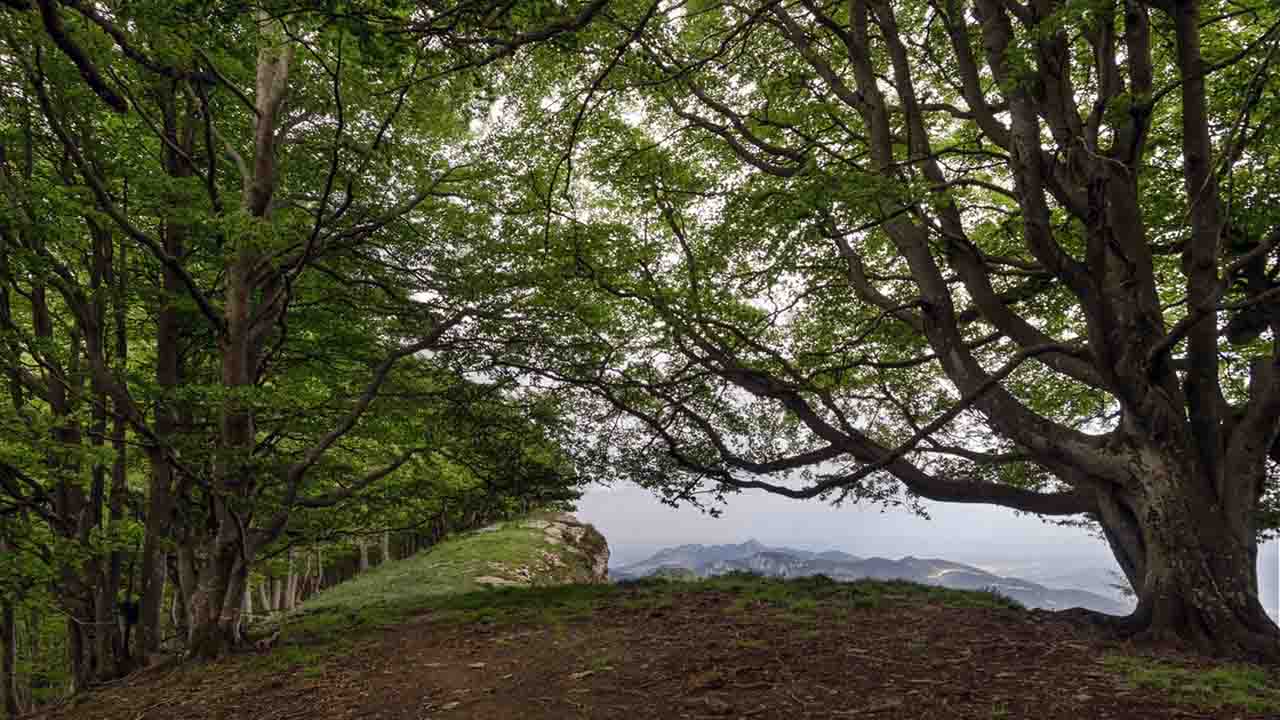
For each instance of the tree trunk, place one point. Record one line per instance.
(186, 587)
(291, 582)
(386, 546)
(159, 507)
(246, 606)
(176, 612)
(120, 462)
(219, 595)
(364, 556)
(8, 656)
(79, 670)
(319, 570)
(1196, 579)
(264, 595)
(175, 155)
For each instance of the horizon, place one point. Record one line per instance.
(636, 525)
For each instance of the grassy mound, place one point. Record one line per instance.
(539, 551)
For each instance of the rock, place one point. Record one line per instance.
(492, 581)
(570, 552)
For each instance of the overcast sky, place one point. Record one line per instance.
(636, 525)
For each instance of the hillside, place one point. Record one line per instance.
(781, 562)
(424, 639)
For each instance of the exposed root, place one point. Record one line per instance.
(1236, 642)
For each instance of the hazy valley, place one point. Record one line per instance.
(1091, 588)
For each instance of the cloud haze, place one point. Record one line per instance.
(637, 524)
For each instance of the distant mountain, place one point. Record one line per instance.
(755, 557)
(689, 556)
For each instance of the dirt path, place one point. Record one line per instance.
(697, 655)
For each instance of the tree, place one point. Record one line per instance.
(291, 184)
(975, 251)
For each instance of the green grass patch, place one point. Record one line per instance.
(444, 578)
(812, 593)
(1237, 685)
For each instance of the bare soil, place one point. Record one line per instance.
(703, 655)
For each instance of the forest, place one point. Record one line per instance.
(288, 288)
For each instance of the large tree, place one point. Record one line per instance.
(974, 251)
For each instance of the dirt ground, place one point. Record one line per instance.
(705, 656)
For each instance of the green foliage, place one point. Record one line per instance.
(1228, 685)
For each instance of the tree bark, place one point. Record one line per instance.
(120, 462)
(386, 546)
(179, 131)
(264, 594)
(8, 654)
(1195, 579)
(291, 582)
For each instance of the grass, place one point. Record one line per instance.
(441, 584)
(441, 581)
(807, 595)
(390, 594)
(438, 585)
(1234, 685)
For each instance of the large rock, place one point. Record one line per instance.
(565, 551)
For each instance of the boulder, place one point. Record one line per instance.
(561, 550)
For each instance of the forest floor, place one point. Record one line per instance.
(734, 647)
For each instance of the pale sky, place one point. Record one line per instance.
(636, 525)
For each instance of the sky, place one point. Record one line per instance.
(637, 525)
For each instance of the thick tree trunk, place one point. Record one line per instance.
(120, 462)
(77, 655)
(364, 555)
(160, 500)
(1195, 579)
(159, 508)
(218, 598)
(179, 124)
(8, 656)
(386, 546)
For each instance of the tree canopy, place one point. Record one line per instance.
(990, 251)
(242, 251)
(271, 268)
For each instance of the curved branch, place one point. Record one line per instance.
(58, 33)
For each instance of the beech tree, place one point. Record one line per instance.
(276, 204)
(974, 251)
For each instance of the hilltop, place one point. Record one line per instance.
(422, 639)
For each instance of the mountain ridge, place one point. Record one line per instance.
(752, 556)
